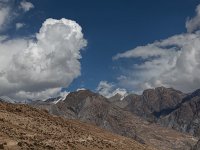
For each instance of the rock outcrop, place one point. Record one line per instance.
(186, 117)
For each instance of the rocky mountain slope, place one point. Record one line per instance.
(186, 117)
(24, 127)
(166, 106)
(93, 108)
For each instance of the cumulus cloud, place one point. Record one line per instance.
(26, 6)
(19, 25)
(108, 89)
(38, 67)
(44, 64)
(173, 62)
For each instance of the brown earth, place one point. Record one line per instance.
(24, 127)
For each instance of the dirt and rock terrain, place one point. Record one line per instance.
(24, 127)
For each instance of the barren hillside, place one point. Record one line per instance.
(24, 127)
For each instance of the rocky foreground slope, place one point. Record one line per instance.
(93, 108)
(24, 127)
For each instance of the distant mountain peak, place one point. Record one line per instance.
(80, 94)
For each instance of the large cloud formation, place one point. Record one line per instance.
(173, 62)
(35, 68)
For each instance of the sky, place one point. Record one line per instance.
(51, 47)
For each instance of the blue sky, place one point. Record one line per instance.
(110, 28)
(115, 26)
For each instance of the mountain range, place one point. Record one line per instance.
(135, 116)
(163, 118)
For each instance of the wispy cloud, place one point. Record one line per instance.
(194, 23)
(26, 6)
(19, 25)
(10, 10)
(4, 15)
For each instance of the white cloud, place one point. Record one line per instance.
(41, 95)
(38, 67)
(19, 25)
(141, 51)
(4, 15)
(173, 62)
(194, 23)
(26, 6)
(108, 89)
(80, 89)
(42, 65)
(63, 94)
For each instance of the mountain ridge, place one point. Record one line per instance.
(143, 118)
